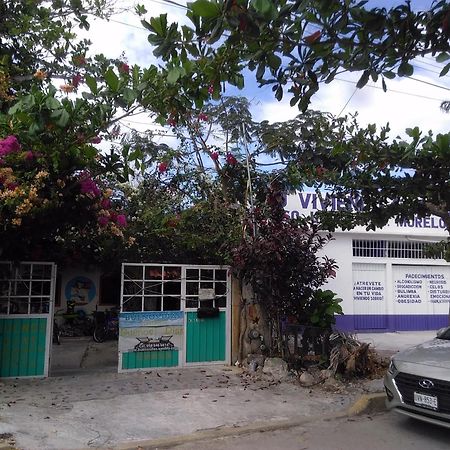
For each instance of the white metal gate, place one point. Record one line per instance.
(27, 292)
(174, 315)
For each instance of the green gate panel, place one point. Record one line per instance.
(22, 347)
(144, 360)
(205, 338)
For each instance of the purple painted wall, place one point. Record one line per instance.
(385, 322)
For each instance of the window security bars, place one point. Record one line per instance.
(149, 287)
(25, 288)
(368, 248)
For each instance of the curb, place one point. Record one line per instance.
(225, 431)
(366, 404)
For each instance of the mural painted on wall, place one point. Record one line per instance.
(80, 291)
(151, 331)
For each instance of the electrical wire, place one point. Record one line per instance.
(429, 83)
(348, 101)
(392, 90)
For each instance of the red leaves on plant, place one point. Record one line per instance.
(79, 60)
(211, 89)
(214, 156)
(231, 160)
(29, 156)
(162, 167)
(172, 121)
(76, 80)
(124, 68)
(320, 171)
(312, 38)
(243, 24)
(203, 116)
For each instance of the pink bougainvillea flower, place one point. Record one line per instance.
(9, 145)
(124, 68)
(203, 116)
(121, 220)
(214, 156)
(2, 162)
(89, 186)
(231, 160)
(105, 203)
(76, 80)
(162, 167)
(103, 221)
(29, 155)
(96, 140)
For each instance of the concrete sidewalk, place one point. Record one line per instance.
(110, 410)
(87, 404)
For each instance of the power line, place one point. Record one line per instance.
(348, 101)
(431, 84)
(392, 90)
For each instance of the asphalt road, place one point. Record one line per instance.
(382, 431)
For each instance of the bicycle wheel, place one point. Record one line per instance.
(56, 334)
(100, 333)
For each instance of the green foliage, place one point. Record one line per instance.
(321, 309)
(295, 46)
(167, 226)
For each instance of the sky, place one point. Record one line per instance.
(408, 103)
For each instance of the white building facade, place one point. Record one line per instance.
(385, 278)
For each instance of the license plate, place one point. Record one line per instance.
(427, 401)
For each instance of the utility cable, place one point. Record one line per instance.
(348, 101)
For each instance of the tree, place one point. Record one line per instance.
(53, 181)
(399, 179)
(296, 46)
(278, 258)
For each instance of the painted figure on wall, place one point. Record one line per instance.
(79, 291)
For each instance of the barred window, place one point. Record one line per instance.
(368, 248)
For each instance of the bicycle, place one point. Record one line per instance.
(107, 325)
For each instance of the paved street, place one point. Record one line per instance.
(382, 431)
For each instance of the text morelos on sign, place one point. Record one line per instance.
(303, 203)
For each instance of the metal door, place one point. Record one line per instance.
(207, 307)
(27, 291)
(369, 296)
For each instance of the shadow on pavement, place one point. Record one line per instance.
(82, 354)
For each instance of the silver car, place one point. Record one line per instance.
(417, 382)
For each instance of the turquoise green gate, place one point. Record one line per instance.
(205, 338)
(26, 309)
(174, 315)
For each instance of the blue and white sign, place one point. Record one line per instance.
(151, 331)
(306, 203)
